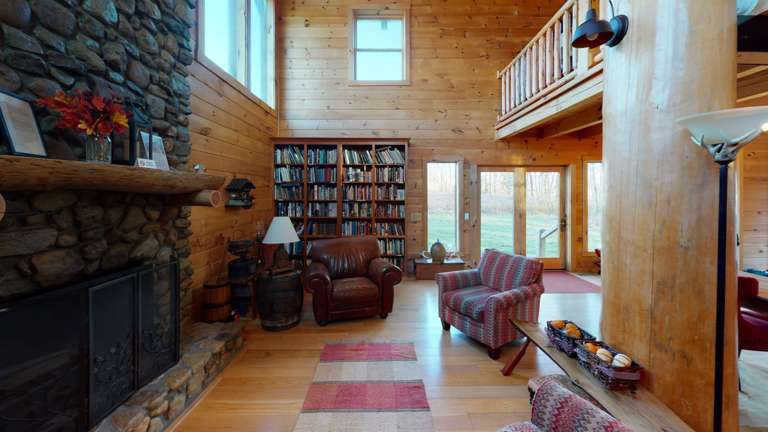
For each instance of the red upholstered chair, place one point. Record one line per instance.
(557, 409)
(753, 316)
(480, 302)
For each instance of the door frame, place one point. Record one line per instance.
(520, 200)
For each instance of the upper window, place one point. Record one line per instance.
(442, 204)
(237, 38)
(595, 204)
(379, 47)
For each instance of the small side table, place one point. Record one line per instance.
(280, 298)
(426, 269)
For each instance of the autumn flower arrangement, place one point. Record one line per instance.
(92, 115)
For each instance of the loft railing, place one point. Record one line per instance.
(548, 61)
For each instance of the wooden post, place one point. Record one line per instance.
(2, 207)
(660, 221)
(206, 198)
(566, 42)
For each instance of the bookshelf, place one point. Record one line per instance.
(341, 187)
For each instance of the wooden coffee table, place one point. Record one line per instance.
(426, 269)
(640, 410)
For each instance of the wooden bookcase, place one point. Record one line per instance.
(369, 196)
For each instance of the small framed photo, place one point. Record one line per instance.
(20, 129)
(154, 149)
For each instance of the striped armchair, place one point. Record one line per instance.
(480, 302)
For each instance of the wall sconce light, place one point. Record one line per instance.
(723, 134)
(594, 32)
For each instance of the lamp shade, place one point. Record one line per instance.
(726, 126)
(281, 231)
(592, 32)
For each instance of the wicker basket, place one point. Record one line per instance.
(612, 378)
(564, 343)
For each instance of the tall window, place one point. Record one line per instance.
(595, 190)
(442, 204)
(237, 39)
(379, 47)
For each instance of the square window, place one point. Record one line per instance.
(380, 47)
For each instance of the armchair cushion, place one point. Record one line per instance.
(355, 292)
(502, 271)
(469, 301)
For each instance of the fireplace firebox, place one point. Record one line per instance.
(71, 356)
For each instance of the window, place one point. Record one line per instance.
(237, 40)
(442, 204)
(379, 47)
(595, 191)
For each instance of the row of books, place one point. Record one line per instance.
(322, 209)
(321, 228)
(390, 175)
(293, 209)
(322, 156)
(322, 192)
(357, 193)
(392, 246)
(390, 155)
(321, 175)
(285, 193)
(289, 155)
(356, 228)
(288, 174)
(296, 248)
(357, 175)
(390, 229)
(398, 261)
(357, 157)
(390, 210)
(357, 209)
(390, 193)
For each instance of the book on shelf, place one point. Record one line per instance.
(390, 193)
(292, 209)
(398, 261)
(322, 209)
(322, 156)
(289, 174)
(390, 175)
(290, 155)
(356, 228)
(390, 156)
(390, 229)
(392, 247)
(390, 210)
(321, 175)
(289, 192)
(322, 192)
(357, 157)
(357, 192)
(295, 248)
(321, 228)
(357, 175)
(358, 209)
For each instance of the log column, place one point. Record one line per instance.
(660, 223)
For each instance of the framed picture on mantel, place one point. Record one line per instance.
(20, 130)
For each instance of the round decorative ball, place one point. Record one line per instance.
(621, 360)
(604, 355)
(437, 252)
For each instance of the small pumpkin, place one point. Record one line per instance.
(604, 355)
(621, 361)
(589, 346)
(573, 332)
(558, 324)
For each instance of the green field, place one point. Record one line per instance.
(497, 232)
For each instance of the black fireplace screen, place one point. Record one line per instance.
(71, 356)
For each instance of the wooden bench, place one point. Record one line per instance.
(640, 410)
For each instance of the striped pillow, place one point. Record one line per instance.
(502, 271)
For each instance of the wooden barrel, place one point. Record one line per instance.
(217, 301)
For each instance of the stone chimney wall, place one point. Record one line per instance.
(135, 49)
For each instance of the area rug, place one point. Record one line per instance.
(562, 282)
(366, 386)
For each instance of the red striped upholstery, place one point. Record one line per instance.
(483, 312)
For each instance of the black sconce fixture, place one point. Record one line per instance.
(594, 32)
(128, 146)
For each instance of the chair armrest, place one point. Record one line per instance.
(316, 277)
(756, 307)
(381, 272)
(459, 279)
(499, 303)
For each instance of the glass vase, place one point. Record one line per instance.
(98, 149)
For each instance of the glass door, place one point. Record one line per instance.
(522, 211)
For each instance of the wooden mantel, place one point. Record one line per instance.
(37, 174)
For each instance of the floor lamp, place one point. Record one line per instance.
(723, 134)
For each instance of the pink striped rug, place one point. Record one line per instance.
(366, 387)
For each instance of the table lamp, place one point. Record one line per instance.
(723, 134)
(282, 232)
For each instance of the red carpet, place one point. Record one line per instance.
(561, 282)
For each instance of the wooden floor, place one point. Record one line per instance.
(263, 390)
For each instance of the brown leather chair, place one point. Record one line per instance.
(348, 279)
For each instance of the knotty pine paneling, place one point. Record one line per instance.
(231, 137)
(753, 205)
(448, 111)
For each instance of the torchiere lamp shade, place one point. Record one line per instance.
(281, 231)
(726, 125)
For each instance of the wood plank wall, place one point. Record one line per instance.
(752, 166)
(448, 111)
(231, 137)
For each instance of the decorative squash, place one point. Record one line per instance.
(604, 355)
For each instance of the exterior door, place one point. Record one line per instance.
(522, 211)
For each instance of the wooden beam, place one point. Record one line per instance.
(590, 116)
(753, 86)
(752, 58)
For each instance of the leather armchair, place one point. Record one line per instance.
(349, 279)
